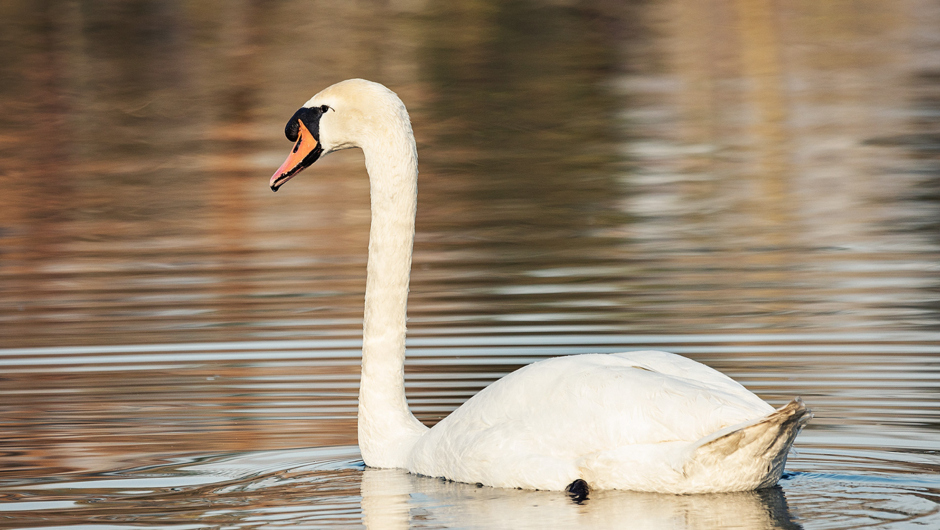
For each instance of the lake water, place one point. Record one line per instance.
(755, 185)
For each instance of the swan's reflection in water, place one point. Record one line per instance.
(327, 487)
(393, 499)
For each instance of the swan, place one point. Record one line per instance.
(644, 420)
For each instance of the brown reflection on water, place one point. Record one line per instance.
(670, 166)
(588, 169)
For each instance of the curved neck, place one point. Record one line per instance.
(387, 429)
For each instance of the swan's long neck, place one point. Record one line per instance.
(387, 429)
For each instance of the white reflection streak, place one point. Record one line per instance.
(391, 497)
(385, 499)
(290, 349)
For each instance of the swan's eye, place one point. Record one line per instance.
(324, 108)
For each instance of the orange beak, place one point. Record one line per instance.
(306, 151)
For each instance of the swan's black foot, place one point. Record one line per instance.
(578, 490)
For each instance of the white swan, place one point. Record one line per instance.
(646, 421)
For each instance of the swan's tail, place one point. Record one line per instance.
(751, 455)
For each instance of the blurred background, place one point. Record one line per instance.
(752, 183)
(652, 166)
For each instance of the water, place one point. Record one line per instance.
(753, 185)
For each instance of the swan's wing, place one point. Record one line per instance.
(563, 408)
(632, 398)
(684, 368)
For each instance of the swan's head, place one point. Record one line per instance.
(349, 114)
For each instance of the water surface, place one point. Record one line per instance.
(749, 184)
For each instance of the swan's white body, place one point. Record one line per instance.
(647, 421)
